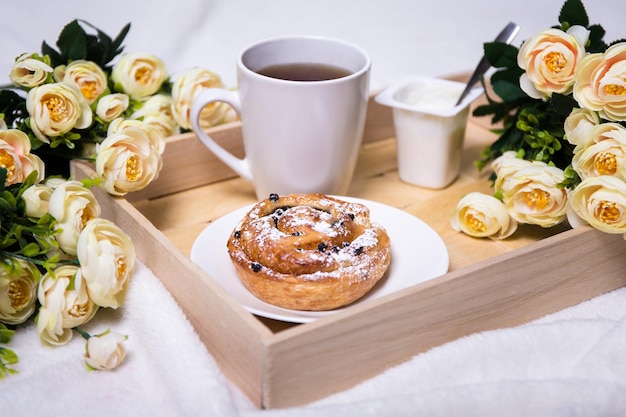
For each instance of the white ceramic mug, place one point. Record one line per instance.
(298, 136)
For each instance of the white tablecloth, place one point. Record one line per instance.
(568, 364)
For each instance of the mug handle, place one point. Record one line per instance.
(208, 96)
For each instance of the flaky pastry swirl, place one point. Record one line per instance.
(309, 251)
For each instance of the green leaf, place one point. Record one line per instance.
(573, 13)
(501, 55)
(31, 250)
(72, 42)
(596, 43)
(506, 85)
(563, 105)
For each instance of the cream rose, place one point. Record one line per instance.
(105, 351)
(139, 74)
(30, 70)
(18, 291)
(531, 195)
(482, 215)
(65, 304)
(184, 91)
(127, 162)
(72, 205)
(107, 260)
(87, 76)
(579, 126)
(549, 60)
(601, 83)
(16, 158)
(55, 109)
(156, 111)
(112, 106)
(601, 202)
(37, 200)
(505, 166)
(606, 155)
(157, 140)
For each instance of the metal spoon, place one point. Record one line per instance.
(506, 36)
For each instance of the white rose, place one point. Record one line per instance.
(65, 304)
(18, 291)
(87, 76)
(29, 70)
(107, 260)
(184, 91)
(55, 109)
(482, 215)
(37, 199)
(156, 111)
(606, 155)
(127, 162)
(72, 205)
(578, 127)
(112, 106)
(105, 351)
(506, 165)
(15, 156)
(601, 202)
(139, 74)
(531, 195)
(157, 140)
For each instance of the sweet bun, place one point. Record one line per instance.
(309, 251)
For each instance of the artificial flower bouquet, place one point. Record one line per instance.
(60, 262)
(561, 151)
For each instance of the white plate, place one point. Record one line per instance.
(417, 255)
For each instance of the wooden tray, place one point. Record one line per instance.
(491, 284)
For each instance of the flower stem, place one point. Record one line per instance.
(83, 333)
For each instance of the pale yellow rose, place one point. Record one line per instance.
(601, 83)
(184, 91)
(505, 166)
(112, 106)
(15, 156)
(30, 70)
(127, 162)
(549, 60)
(105, 351)
(72, 205)
(139, 74)
(55, 109)
(156, 111)
(601, 202)
(87, 76)
(107, 260)
(65, 304)
(18, 291)
(155, 135)
(482, 215)
(531, 195)
(37, 200)
(606, 155)
(579, 126)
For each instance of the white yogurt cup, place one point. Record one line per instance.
(430, 129)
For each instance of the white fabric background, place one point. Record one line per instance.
(569, 364)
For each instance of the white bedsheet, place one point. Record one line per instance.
(572, 363)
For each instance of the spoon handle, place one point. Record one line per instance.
(506, 36)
